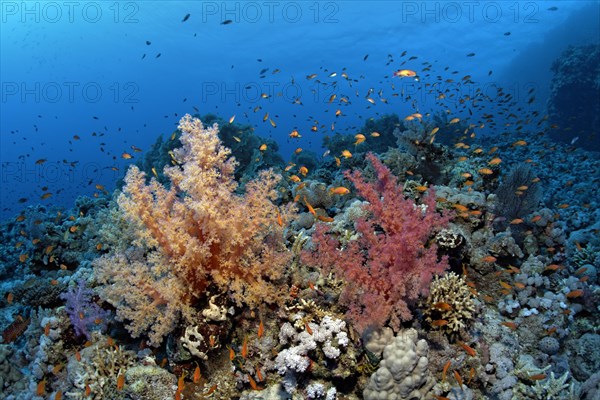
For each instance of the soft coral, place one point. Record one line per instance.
(82, 310)
(389, 265)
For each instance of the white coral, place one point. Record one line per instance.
(192, 340)
(329, 335)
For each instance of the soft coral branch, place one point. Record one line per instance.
(390, 264)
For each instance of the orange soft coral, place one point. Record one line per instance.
(204, 234)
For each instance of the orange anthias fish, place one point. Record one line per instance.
(554, 267)
(505, 285)
(359, 138)
(403, 73)
(210, 391)
(41, 388)
(471, 375)
(458, 378)
(538, 377)
(261, 329)
(511, 325)
(339, 190)
(535, 218)
(244, 351)
(259, 375)
(575, 293)
(329, 219)
(443, 306)
(445, 370)
(460, 207)
(197, 374)
(310, 208)
(253, 384)
(308, 328)
(181, 382)
(470, 351)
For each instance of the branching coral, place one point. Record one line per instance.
(450, 299)
(197, 233)
(98, 368)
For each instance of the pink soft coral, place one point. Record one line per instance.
(390, 264)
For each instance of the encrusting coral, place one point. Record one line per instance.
(197, 233)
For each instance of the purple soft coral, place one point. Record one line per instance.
(82, 311)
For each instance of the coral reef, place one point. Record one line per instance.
(200, 280)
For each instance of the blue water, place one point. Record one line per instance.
(93, 69)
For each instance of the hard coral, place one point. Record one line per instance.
(450, 299)
(98, 368)
(388, 265)
(403, 373)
